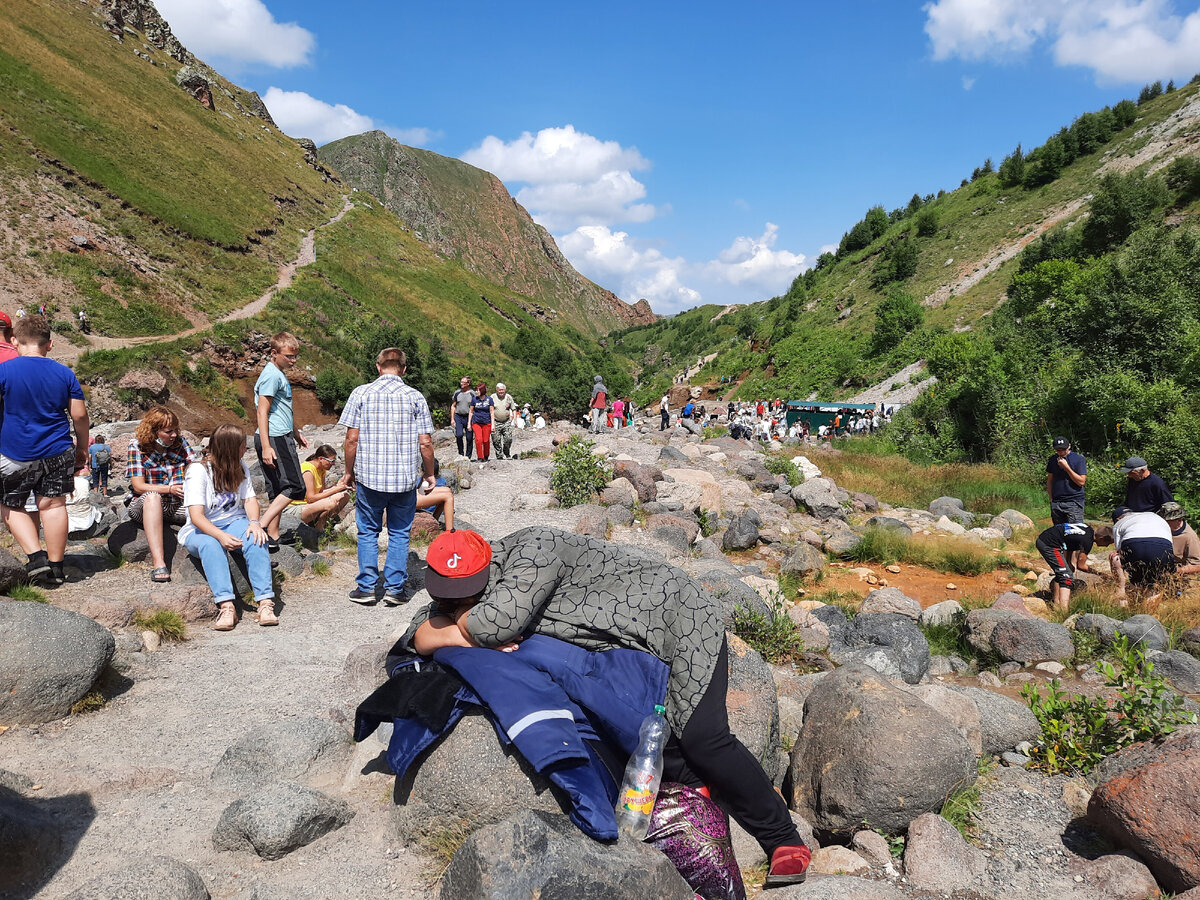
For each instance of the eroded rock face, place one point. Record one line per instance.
(49, 658)
(1153, 809)
(870, 753)
(538, 854)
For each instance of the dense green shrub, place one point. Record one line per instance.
(775, 637)
(578, 473)
(1079, 732)
(777, 465)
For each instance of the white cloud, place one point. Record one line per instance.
(749, 269)
(569, 178)
(968, 82)
(1120, 40)
(240, 31)
(302, 115)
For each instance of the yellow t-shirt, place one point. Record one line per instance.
(318, 475)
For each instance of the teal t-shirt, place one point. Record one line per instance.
(274, 384)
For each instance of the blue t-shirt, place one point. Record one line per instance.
(274, 384)
(1061, 486)
(94, 449)
(481, 408)
(37, 393)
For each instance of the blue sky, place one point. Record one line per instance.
(697, 152)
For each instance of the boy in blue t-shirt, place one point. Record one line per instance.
(37, 455)
(277, 436)
(101, 457)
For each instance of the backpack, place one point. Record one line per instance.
(103, 455)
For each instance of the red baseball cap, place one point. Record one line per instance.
(457, 565)
(5, 321)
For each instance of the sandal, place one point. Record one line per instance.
(266, 613)
(161, 575)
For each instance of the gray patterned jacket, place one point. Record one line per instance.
(598, 595)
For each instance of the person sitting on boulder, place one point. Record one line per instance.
(1065, 547)
(1143, 552)
(439, 500)
(154, 465)
(320, 503)
(222, 514)
(593, 594)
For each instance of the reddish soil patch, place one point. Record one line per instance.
(925, 586)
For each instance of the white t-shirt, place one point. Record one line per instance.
(219, 508)
(1134, 525)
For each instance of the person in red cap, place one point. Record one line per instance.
(597, 595)
(8, 350)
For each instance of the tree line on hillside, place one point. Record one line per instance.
(1099, 339)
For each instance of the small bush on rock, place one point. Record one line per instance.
(775, 638)
(779, 466)
(578, 473)
(1079, 732)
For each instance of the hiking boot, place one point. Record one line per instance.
(226, 618)
(56, 576)
(266, 613)
(789, 865)
(38, 565)
(366, 598)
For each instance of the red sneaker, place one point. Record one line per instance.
(788, 866)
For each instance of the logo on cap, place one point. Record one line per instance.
(452, 562)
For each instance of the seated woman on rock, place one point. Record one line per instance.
(320, 503)
(598, 596)
(439, 500)
(222, 514)
(154, 465)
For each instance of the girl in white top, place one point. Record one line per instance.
(222, 514)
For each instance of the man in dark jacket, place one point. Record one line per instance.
(1145, 491)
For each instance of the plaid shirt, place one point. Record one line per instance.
(159, 466)
(390, 416)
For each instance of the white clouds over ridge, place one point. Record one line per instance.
(302, 115)
(1121, 40)
(240, 31)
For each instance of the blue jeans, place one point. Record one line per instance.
(369, 507)
(216, 565)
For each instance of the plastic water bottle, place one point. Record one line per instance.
(642, 776)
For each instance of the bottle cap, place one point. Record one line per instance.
(661, 710)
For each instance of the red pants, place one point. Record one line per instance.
(483, 437)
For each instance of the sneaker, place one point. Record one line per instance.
(366, 598)
(226, 619)
(391, 598)
(56, 576)
(789, 865)
(37, 565)
(272, 545)
(266, 613)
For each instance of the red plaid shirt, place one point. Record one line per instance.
(159, 466)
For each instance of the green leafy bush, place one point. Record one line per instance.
(776, 637)
(578, 473)
(777, 465)
(1079, 732)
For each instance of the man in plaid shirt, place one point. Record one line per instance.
(389, 447)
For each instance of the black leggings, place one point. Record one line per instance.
(707, 753)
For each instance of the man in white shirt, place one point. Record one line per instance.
(664, 410)
(1143, 550)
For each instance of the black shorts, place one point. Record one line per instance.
(285, 476)
(1063, 511)
(53, 476)
(1146, 560)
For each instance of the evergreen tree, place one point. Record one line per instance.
(1012, 169)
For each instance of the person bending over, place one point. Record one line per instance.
(1143, 552)
(222, 514)
(596, 595)
(1065, 547)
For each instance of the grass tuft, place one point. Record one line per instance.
(166, 623)
(27, 592)
(321, 567)
(89, 702)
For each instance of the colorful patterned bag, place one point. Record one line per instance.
(693, 832)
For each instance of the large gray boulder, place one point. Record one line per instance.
(842, 543)
(1003, 722)
(817, 496)
(982, 622)
(939, 613)
(282, 751)
(11, 571)
(890, 600)
(803, 560)
(279, 818)
(1144, 631)
(752, 704)
(742, 534)
(888, 523)
(936, 858)
(1179, 668)
(538, 854)
(890, 643)
(871, 754)
(1032, 640)
(1099, 625)
(156, 878)
(49, 658)
(839, 887)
